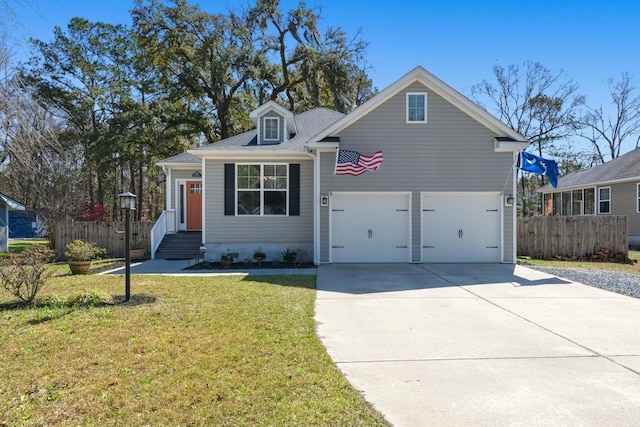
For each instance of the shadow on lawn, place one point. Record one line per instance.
(72, 305)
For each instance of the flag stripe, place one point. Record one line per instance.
(353, 163)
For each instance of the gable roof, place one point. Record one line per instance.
(621, 169)
(308, 124)
(16, 206)
(439, 87)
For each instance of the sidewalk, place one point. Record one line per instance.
(177, 268)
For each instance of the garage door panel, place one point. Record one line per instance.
(461, 228)
(370, 227)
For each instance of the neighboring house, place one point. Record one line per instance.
(612, 188)
(440, 194)
(6, 204)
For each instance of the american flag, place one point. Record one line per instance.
(353, 163)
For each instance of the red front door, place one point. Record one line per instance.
(194, 205)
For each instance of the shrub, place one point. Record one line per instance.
(79, 250)
(289, 255)
(27, 273)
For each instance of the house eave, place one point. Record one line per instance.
(12, 204)
(179, 165)
(502, 145)
(590, 185)
(250, 155)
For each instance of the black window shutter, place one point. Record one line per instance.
(294, 189)
(229, 189)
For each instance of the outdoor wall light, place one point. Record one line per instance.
(324, 200)
(509, 200)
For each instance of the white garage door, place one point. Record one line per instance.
(370, 227)
(461, 227)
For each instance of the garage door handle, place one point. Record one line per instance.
(492, 247)
(337, 247)
(370, 233)
(492, 210)
(428, 210)
(402, 210)
(338, 210)
(401, 247)
(460, 234)
(429, 247)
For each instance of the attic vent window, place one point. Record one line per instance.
(271, 129)
(416, 107)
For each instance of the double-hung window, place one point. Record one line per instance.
(271, 129)
(262, 189)
(604, 200)
(416, 107)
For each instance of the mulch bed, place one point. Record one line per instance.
(208, 265)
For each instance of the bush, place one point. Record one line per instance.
(289, 255)
(79, 250)
(27, 273)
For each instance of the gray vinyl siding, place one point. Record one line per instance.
(452, 152)
(624, 201)
(180, 174)
(220, 228)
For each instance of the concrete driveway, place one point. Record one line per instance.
(482, 345)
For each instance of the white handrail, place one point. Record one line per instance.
(158, 231)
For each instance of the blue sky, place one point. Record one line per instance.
(458, 41)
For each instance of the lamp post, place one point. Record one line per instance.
(128, 203)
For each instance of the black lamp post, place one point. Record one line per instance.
(128, 203)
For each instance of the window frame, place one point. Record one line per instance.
(407, 108)
(638, 197)
(600, 200)
(584, 201)
(264, 129)
(262, 189)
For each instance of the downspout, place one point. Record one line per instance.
(316, 203)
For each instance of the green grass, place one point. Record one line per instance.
(632, 267)
(184, 351)
(17, 246)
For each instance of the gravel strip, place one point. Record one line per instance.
(622, 283)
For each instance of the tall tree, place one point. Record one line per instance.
(608, 132)
(537, 103)
(210, 58)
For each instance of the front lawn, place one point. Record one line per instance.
(185, 351)
(632, 267)
(19, 245)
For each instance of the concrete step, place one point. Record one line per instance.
(182, 245)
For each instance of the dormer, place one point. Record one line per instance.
(275, 124)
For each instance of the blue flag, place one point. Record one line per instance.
(535, 164)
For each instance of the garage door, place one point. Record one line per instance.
(461, 227)
(370, 227)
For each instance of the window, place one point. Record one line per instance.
(195, 188)
(262, 189)
(589, 201)
(576, 208)
(638, 194)
(271, 128)
(556, 203)
(604, 200)
(566, 203)
(416, 107)
(548, 203)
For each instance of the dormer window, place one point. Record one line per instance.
(271, 129)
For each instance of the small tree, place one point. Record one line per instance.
(27, 273)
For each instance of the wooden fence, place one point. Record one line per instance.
(105, 234)
(571, 236)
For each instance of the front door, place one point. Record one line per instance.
(194, 205)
